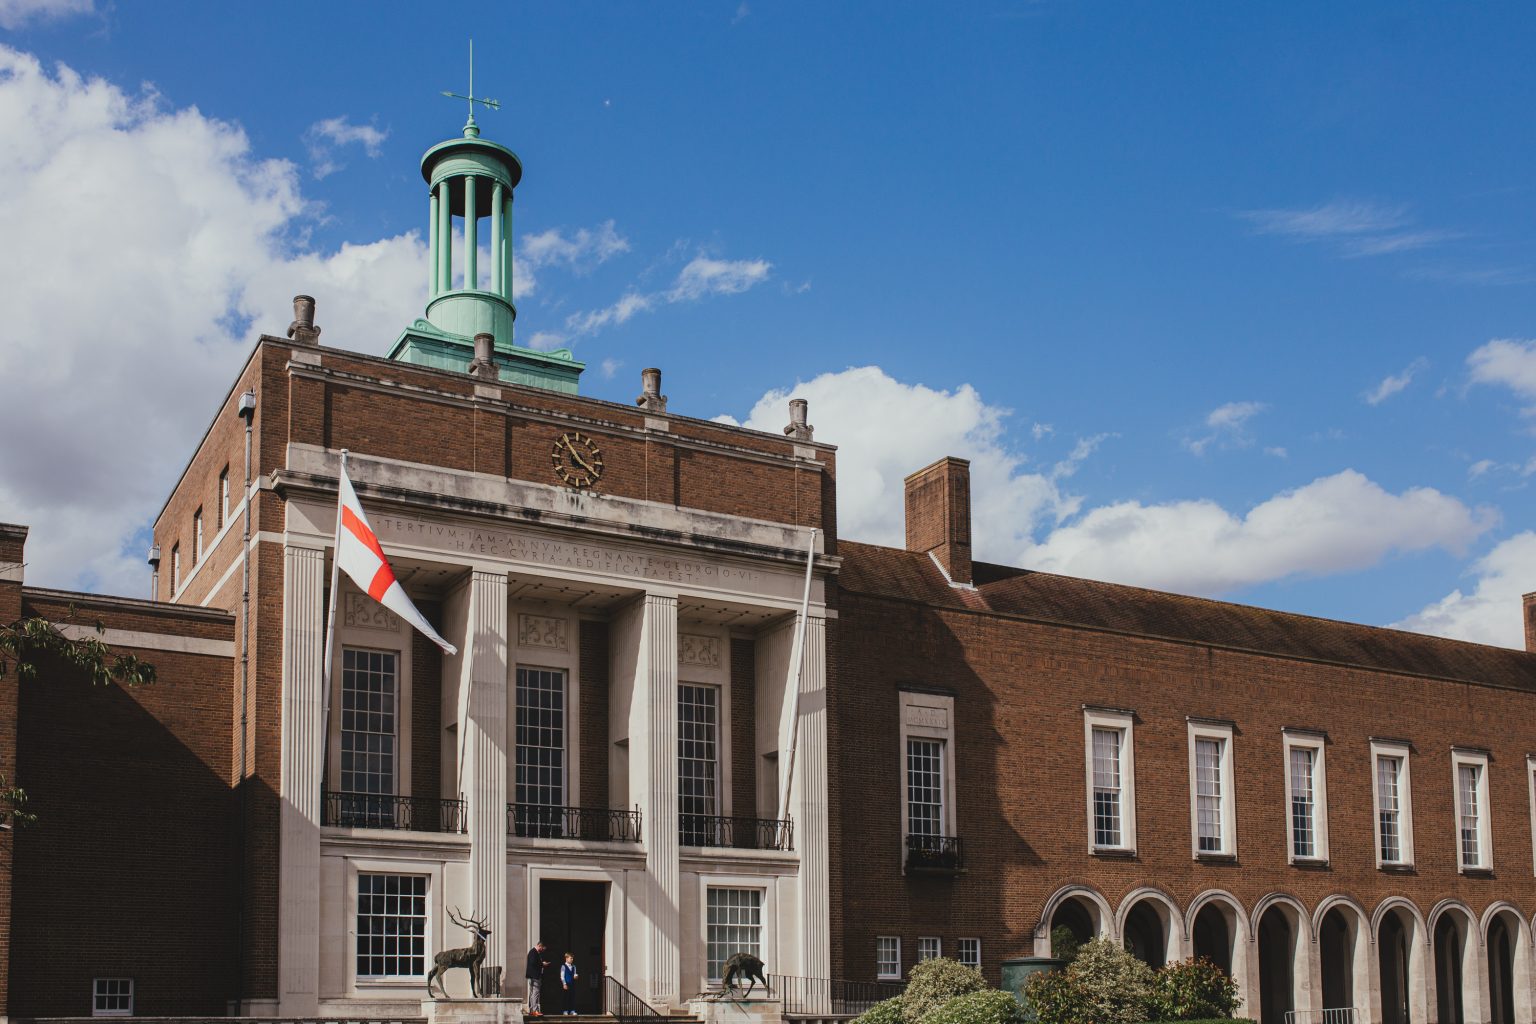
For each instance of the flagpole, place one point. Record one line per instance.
(330, 631)
(792, 684)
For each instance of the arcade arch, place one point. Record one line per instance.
(1151, 926)
(1402, 967)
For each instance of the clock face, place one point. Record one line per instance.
(578, 462)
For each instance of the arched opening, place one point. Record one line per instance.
(1501, 971)
(1336, 950)
(1079, 918)
(1145, 932)
(1213, 936)
(1277, 965)
(1401, 966)
(1448, 955)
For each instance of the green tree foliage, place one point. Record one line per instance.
(989, 1006)
(1103, 985)
(1064, 943)
(1057, 997)
(1193, 989)
(885, 1012)
(935, 982)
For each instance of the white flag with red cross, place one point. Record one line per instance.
(359, 555)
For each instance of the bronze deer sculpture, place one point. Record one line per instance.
(742, 966)
(468, 957)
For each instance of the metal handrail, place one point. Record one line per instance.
(736, 833)
(619, 1001)
(835, 997)
(597, 824)
(1335, 1015)
(402, 813)
(935, 853)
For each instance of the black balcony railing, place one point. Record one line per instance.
(597, 824)
(940, 855)
(820, 997)
(736, 833)
(372, 810)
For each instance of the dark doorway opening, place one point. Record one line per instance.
(1336, 942)
(573, 918)
(1277, 955)
(1392, 949)
(1213, 939)
(1074, 917)
(1144, 934)
(1501, 971)
(1448, 970)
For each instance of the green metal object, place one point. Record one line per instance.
(1017, 972)
(473, 178)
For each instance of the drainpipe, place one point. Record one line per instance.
(247, 412)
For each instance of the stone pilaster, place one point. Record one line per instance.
(303, 712)
(810, 806)
(485, 758)
(656, 779)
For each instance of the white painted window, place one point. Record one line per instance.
(927, 767)
(929, 948)
(112, 997)
(888, 957)
(970, 953)
(369, 737)
(925, 787)
(197, 536)
(1213, 812)
(733, 924)
(698, 763)
(539, 772)
(1306, 822)
(1530, 775)
(1111, 778)
(1393, 799)
(391, 926)
(1473, 847)
(223, 497)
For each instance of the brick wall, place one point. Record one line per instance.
(426, 707)
(743, 728)
(12, 542)
(593, 655)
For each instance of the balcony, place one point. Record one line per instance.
(401, 813)
(735, 833)
(935, 855)
(594, 824)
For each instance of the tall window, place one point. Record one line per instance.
(369, 681)
(1393, 797)
(539, 788)
(929, 948)
(733, 924)
(698, 763)
(223, 497)
(1212, 811)
(925, 787)
(1306, 823)
(197, 536)
(1303, 804)
(1106, 787)
(175, 568)
(112, 997)
(1473, 849)
(888, 957)
(1111, 764)
(970, 953)
(391, 926)
(1208, 793)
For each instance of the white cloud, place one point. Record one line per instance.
(609, 367)
(174, 251)
(325, 138)
(1479, 468)
(1352, 227)
(1228, 426)
(1491, 613)
(14, 14)
(579, 251)
(702, 277)
(1277, 451)
(545, 340)
(1395, 383)
(1510, 362)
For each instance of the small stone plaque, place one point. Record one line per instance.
(927, 718)
(541, 631)
(703, 651)
(364, 612)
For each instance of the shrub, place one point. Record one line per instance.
(1056, 997)
(1064, 943)
(886, 1012)
(1192, 990)
(935, 982)
(1116, 986)
(987, 1007)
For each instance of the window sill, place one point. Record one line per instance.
(1114, 852)
(1216, 858)
(1476, 872)
(1397, 869)
(1309, 862)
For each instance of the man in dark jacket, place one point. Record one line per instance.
(535, 976)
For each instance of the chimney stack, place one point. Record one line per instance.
(484, 363)
(303, 330)
(939, 515)
(651, 399)
(1528, 606)
(798, 428)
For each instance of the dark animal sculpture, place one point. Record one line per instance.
(468, 957)
(742, 965)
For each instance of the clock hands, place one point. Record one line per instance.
(565, 443)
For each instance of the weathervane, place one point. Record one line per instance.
(472, 130)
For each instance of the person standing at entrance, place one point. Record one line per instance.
(568, 978)
(535, 977)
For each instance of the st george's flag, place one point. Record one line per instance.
(359, 555)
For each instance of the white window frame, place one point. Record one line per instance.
(928, 716)
(764, 910)
(175, 568)
(1479, 759)
(881, 974)
(938, 947)
(1530, 778)
(197, 537)
(224, 496)
(427, 943)
(960, 953)
(1122, 722)
(1292, 739)
(1207, 729)
(1398, 749)
(97, 993)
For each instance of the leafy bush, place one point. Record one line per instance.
(1193, 989)
(1116, 986)
(987, 1007)
(1064, 943)
(1056, 997)
(935, 982)
(886, 1012)
(1221, 1020)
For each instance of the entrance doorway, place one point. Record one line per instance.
(573, 918)
(1448, 970)
(1277, 957)
(1392, 949)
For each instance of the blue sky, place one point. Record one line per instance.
(1225, 299)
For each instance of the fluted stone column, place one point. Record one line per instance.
(303, 741)
(485, 757)
(810, 806)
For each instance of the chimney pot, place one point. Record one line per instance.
(938, 507)
(303, 329)
(484, 364)
(651, 399)
(798, 428)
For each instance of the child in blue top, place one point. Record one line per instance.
(568, 978)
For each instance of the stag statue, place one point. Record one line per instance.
(468, 957)
(742, 965)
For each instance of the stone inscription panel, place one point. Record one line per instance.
(541, 631)
(363, 611)
(703, 651)
(928, 718)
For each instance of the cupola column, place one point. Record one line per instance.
(471, 236)
(444, 229)
(497, 228)
(432, 243)
(506, 242)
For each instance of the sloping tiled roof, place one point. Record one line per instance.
(1046, 597)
